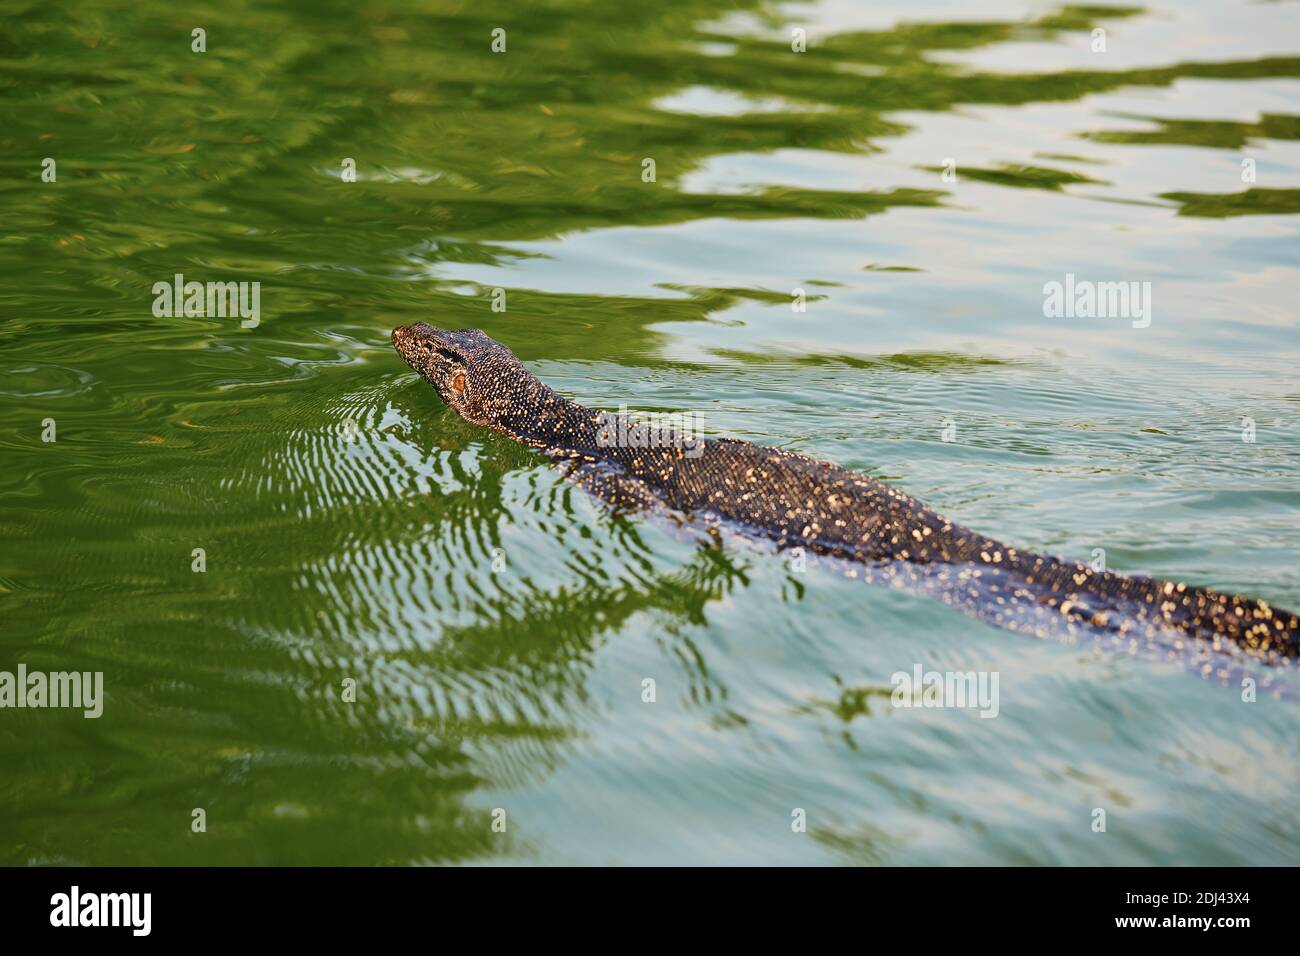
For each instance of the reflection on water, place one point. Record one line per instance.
(498, 626)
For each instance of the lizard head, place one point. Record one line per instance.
(479, 378)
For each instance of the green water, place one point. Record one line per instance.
(350, 525)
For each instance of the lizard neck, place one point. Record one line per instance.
(544, 419)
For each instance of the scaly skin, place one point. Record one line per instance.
(796, 501)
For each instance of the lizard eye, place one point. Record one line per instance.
(449, 355)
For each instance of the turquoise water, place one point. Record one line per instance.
(496, 623)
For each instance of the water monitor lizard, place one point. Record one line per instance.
(794, 501)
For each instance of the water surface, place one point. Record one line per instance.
(497, 623)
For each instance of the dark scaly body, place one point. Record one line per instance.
(793, 501)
